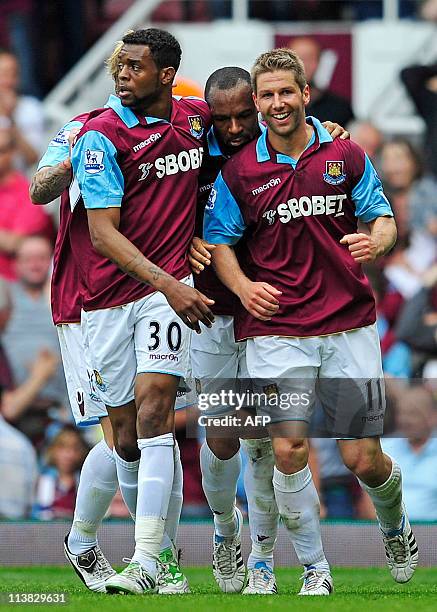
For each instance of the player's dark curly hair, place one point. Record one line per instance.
(165, 49)
(225, 79)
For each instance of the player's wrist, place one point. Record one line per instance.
(241, 287)
(166, 283)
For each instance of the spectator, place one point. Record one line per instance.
(413, 196)
(396, 355)
(417, 324)
(15, 401)
(23, 114)
(416, 452)
(18, 217)
(421, 84)
(57, 486)
(5, 312)
(323, 105)
(17, 28)
(18, 469)
(30, 339)
(368, 137)
(339, 490)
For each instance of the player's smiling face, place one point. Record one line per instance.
(139, 81)
(234, 116)
(281, 101)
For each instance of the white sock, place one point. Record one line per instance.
(387, 499)
(97, 487)
(262, 508)
(219, 481)
(175, 503)
(127, 472)
(299, 507)
(155, 482)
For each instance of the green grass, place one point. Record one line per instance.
(356, 590)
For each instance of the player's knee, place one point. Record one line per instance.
(127, 446)
(224, 448)
(363, 464)
(291, 454)
(125, 437)
(153, 413)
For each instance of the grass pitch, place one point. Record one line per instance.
(356, 589)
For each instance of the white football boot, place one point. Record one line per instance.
(401, 551)
(133, 580)
(261, 580)
(227, 563)
(92, 567)
(316, 582)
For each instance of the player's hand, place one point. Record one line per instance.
(362, 247)
(190, 305)
(260, 299)
(199, 254)
(336, 130)
(71, 142)
(72, 137)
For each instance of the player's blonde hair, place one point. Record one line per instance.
(112, 61)
(279, 59)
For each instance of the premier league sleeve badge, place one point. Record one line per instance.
(93, 161)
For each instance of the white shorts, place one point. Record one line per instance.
(139, 337)
(86, 404)
(343, 371)
(218, 361)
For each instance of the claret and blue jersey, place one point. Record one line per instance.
(207, 281)
(288, 217)
(149, 168)
(66, 299)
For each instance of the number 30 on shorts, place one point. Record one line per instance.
(172, 336)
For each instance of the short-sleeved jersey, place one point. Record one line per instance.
(293, 215)
(207, 281)
(66, 298)
(149, 168)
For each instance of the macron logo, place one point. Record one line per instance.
(272, 183)
(144, 143)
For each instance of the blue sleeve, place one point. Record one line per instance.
(98, 174)
(368, 196)
(223, 222)
(59, 147)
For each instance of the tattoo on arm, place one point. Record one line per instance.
(155, 272)
(138, 266)
(48, 183)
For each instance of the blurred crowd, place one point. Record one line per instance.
(41, 452)
(55, 35)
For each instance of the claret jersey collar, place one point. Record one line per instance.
(128, 116)
(213, 145)
(262, 149)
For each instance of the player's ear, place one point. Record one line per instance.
(255, 101)
(167, 75)
(306, 94)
